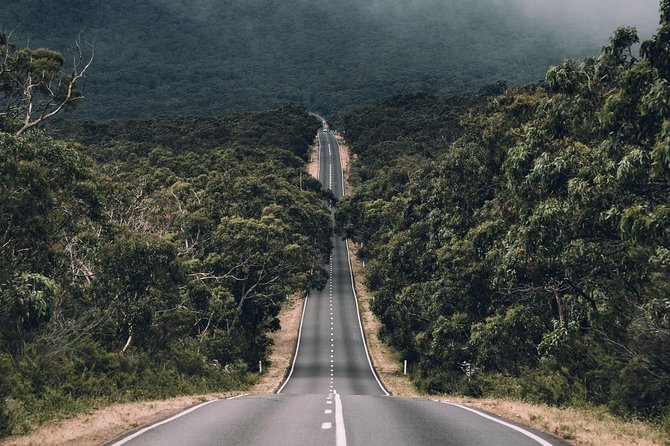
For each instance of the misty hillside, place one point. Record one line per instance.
(208, 56)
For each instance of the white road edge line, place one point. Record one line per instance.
(531, 435)
(353, 289)
(160, 423)
(297, 346)
(360, 323)
(340, 432)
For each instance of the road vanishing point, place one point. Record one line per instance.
(332, 395)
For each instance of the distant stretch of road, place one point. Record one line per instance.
(332, 395)
(331, 354)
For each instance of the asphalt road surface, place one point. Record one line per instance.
(332, 395)
(331, 353)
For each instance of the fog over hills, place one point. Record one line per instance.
(209, 56)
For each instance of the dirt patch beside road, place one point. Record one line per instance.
(103, 425)
(344, 161)
(313, 166)
(284, 346)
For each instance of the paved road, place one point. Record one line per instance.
(331, 353)
(332, 396)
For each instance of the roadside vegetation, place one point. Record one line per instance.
(582, 425)
(145, 259)
(520, 249)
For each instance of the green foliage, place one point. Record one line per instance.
(138, 276)
(533, 246)
(150, 258)
(34, 298)
(34, 85)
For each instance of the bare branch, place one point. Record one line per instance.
(4, 66)
(36, 113)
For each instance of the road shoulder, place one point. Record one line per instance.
(105, 424)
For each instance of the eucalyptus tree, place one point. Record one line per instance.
(34, 84)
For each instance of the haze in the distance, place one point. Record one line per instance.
(210, 56)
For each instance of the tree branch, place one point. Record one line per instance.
(54, 105)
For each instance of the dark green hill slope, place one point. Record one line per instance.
(209, 56)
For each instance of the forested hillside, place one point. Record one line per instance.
(516, 239)
(207, 56)
(530, 257)
(149, 258)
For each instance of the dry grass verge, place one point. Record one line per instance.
(103, 425)
(313, 166)
(283, 348)
(344, 161)
(583, 427)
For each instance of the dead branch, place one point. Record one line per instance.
(37, 111)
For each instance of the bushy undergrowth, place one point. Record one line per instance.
(39, 389)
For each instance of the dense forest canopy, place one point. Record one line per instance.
(207, 56)
(523, 249)
(150, 258)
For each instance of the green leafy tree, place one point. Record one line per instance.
(261, 261)
(34, 85)
(535, 249)
(139, 277)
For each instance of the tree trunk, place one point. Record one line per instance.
(125, 347)
(559, 307)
